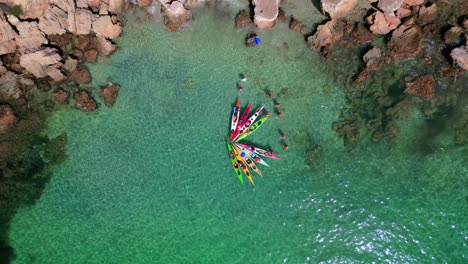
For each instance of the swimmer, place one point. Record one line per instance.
(270, 95)
(241, 88)
(277, 106)
(285, 147)
(280, 115)
(283, 136)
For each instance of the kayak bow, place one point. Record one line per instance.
(234, 163)
(248, 123)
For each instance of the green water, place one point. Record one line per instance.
(149, 181)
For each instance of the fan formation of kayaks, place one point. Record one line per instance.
(244, 156)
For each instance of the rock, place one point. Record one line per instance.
(175, 15)
(7, 37)
(403, 12)
(81, 76)
(81, 42)
(32, 8)
(282, 16)
(389, 6)
(84, 101)
(361, 35)
(422, 87)
(7, 118)
(338, 8)
(297, 26)
(61, 97)
(54, 21)
(41, 63)
(103, 9)
(382, 24)
(115, 6)
(427, 14)
(103, 46)
(349, 129)
(7, 47)
(405, 42)
(329, 34)
(82, 3)
(243, 19)
(103, 27)
(91, 55)
(70, 65)
(9, 88)
(145, 3)
(400, 110)
(414, 2)
(460, 57)
(453, 35)
(30, 36)
(374, 60)
(109, 94)
(83, 21)
(94, 4)
(266, 12)
(465, 23)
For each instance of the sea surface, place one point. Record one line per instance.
(150, 181)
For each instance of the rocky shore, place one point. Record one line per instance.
(45, 45)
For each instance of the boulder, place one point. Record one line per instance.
(175, 15)
(70, 65)
(361, 35)
(405, 42)
(423, 87)
(243, 19)
(403, 12)
(81, 76)
(115, 6)
(61, 97)
(109, 94)
(42, 63)
(373, 59)
(427, 14)
(382, 24)
(7, 37)
(91, 55)
(103, 46)
(54, 21)
(104, 9)
(389, 7)
(83, 19)
(84, 102)
(81, 42)
(9, 88)
(338, 8)
(297, 26)
(30, 36)
(329, 34)
(266, 12)
(453, 35)
(32, 8)
(103, 27)
(7, 118)
(460, 57)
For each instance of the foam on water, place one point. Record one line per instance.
(149, 181)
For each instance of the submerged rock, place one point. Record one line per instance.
(427, 14)
(61, 97)
(84, 102)
(243, 19)
(297, 26)
(338, 8)
(453, 35)
(175, 15)
(9, 88)
(266, 12)
(7, 118)
(423, 87)
(374, 59)
(329, 34)
(103, 27)
(7, 37)
(405, 42)
(109, 94)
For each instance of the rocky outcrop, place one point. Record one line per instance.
(103, 27)
(30, 36)
(109, 94)
(81, 76)
(382, 24)
(243, 19)
(329, 33)
(84, 102)
(175, 15)
(405, 42)
(266, 12)
(338, 8)
(423, 87)
(389, 7)
(42, 63)
(460, 57)
(9, 88)
(297, 26)
(7, 118)
(54, 21)
(373, 59)
(103, 46)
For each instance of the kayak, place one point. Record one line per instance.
(235, 117)
(235, 165)
(248, 123)
(265, 153)
(244, 168)
(248, 160)
(242, 120)
(253, 127)
(253, 156)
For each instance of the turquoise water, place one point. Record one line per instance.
(149, 181)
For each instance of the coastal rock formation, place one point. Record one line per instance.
(61, 97)
(43, 62)
(91, 55)
(338, 8)
(460, 57)
(109, 94)
(329, 33)
(382, 24)
(266, 12)
(30, 36)
(175, 14)
(389, 6)
(243, 19)
(405, 42)
(7, 118)
(84, 102)
(103, 27)
(422, 87)
(9, 88)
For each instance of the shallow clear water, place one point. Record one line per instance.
(149, 181)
